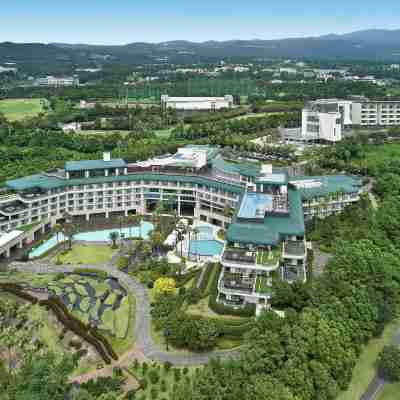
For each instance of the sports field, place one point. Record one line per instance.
(17, 109)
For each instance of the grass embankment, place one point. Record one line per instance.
(17, 109)
(364, 370)
(82, 254)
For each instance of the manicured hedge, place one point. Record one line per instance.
(184, 279)
(91, 271)
(204, 283)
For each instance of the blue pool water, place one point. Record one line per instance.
(205, 247)
(95, 236)
(205, 232)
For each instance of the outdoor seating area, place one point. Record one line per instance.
(295, 248)
(239, 255)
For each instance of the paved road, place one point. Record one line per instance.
(144, 342)
(377, 383)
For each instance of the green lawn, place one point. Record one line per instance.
(81, 254)
(390, 392)
(17, 109)
(364, 370)
(163, 133)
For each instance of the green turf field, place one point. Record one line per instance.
(17, 109)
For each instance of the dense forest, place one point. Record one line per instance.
(311, 352)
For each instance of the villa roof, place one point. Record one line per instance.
(274, 227)
(71, 166)
(320, 186)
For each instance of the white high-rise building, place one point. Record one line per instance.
(327, 119)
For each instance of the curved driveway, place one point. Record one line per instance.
(143, 340)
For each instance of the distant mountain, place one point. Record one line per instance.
(376, 44)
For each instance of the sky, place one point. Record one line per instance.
(127, 21)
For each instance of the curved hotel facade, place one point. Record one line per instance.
(262, 209)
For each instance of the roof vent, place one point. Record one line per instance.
(107, 156)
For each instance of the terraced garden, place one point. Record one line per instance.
(98, 300)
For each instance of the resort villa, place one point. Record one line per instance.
(261, 208)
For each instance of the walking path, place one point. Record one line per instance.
(377, 383)
(144, 342)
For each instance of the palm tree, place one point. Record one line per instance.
(114, 235)
(58, 229)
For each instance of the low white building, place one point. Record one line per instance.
(197, 103)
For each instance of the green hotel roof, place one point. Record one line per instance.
(84, 165)
(44, 182)
(329, 184)
(272, 230)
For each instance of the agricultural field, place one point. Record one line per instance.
(17, 109)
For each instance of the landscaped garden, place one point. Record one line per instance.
(98, 299)
(262, 285)
(266, 257)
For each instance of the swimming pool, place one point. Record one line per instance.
(94, 236)
(104, 235)
(205, 248)
(205, 232)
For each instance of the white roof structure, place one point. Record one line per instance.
(6, 238)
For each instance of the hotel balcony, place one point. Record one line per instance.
(257, 286)
(294, 250)
(260, 259)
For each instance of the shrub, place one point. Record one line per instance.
(143, 383)
(389, 363)
(165, 286)
(193, 295)
(154, 393)
(163, 386)
(153, 376)
(123, 262)
(136, 364)
(185, 371)
(150, 284)
(167, 366)
(91, 271)
(177, 374)
(144, 367)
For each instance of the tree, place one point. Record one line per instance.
(114, 235)
(165, 286)
(41, 377)
(389, 363)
